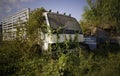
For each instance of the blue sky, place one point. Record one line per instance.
(73, 7)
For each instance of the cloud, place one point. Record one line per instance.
(7, 6)
(12, 1)
(8, 9)
(24, 0)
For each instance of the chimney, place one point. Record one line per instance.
(57, 12)
(70, 15)
(50, 10)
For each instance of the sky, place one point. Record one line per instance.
(73, 7)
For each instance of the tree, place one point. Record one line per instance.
(103, 13)
(36, 19)
(35, 22)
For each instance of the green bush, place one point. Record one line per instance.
(20, 59)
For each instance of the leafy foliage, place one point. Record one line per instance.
(36, 21)
(18, 58)
(102, 13)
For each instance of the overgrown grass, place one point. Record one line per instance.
(17, 59)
